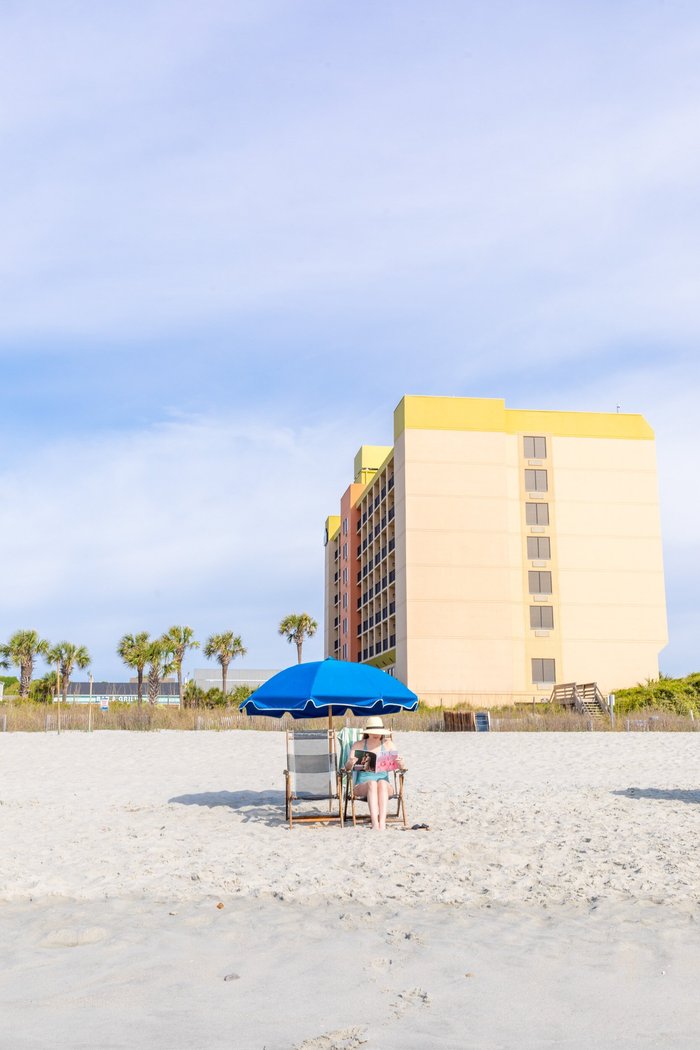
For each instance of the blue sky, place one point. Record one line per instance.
(234, 234)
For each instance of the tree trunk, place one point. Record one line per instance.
(65, 682)
(153, 685)
(300, 642)
(224, 675)
(25, 678)
(139, 685)
(179, 686)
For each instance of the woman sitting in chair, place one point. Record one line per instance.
(371, 785)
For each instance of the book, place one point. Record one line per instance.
(372, 762)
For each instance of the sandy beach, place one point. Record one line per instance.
(552, 903)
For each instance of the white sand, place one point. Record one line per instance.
(553, 903)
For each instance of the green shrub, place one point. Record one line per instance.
(679, 696)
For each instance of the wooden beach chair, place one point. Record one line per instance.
(312, 775)
(396, 793)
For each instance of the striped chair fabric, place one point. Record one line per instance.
(312, 773)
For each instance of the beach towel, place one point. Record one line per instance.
(347, 736)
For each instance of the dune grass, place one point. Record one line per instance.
(30, 717)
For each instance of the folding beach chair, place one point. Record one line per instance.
(312, 774)
(395, 794)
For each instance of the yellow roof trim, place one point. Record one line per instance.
(332, 526)
(380, 468)
(490, 414)
(367, 461)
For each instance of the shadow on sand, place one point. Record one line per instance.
(265, 807)
(661, 794)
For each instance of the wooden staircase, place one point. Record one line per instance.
(586, 699)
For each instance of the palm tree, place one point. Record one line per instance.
(296, 627)
(180, 640)
(224, 648)
(159, 657)
(44, 689)
(21, 651)
(68, 656)
(133, 649)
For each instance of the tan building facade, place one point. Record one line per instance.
(491, 553)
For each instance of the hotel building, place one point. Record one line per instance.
(491, 553)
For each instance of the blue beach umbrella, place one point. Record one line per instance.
(330, 687)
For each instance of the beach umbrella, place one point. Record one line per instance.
(330, 687)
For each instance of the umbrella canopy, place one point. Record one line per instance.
(330, 687)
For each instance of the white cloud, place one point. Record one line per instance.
(188, 520)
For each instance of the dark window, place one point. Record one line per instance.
(539, 582)
(537, 513)
(392, 640)
(541, 617)
(536, 480)
(390, 484)
(538, 547)
(535, 447)
(543, 671)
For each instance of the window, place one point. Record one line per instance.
(345, 652)
(538, 547)
(541, 617)
(345, 574)
(345, 625)
(539, 582)
(536, 480)
(345, 526)
(345, 599)
(543, 671)
(537, 513)
(535, 447)
(345, 551)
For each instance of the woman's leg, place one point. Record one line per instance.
(368, 791)
(373, 800)
(382, 802)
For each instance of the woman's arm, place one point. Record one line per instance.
(402, 764)
(351, 757)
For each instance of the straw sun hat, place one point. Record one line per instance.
(376, 727)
